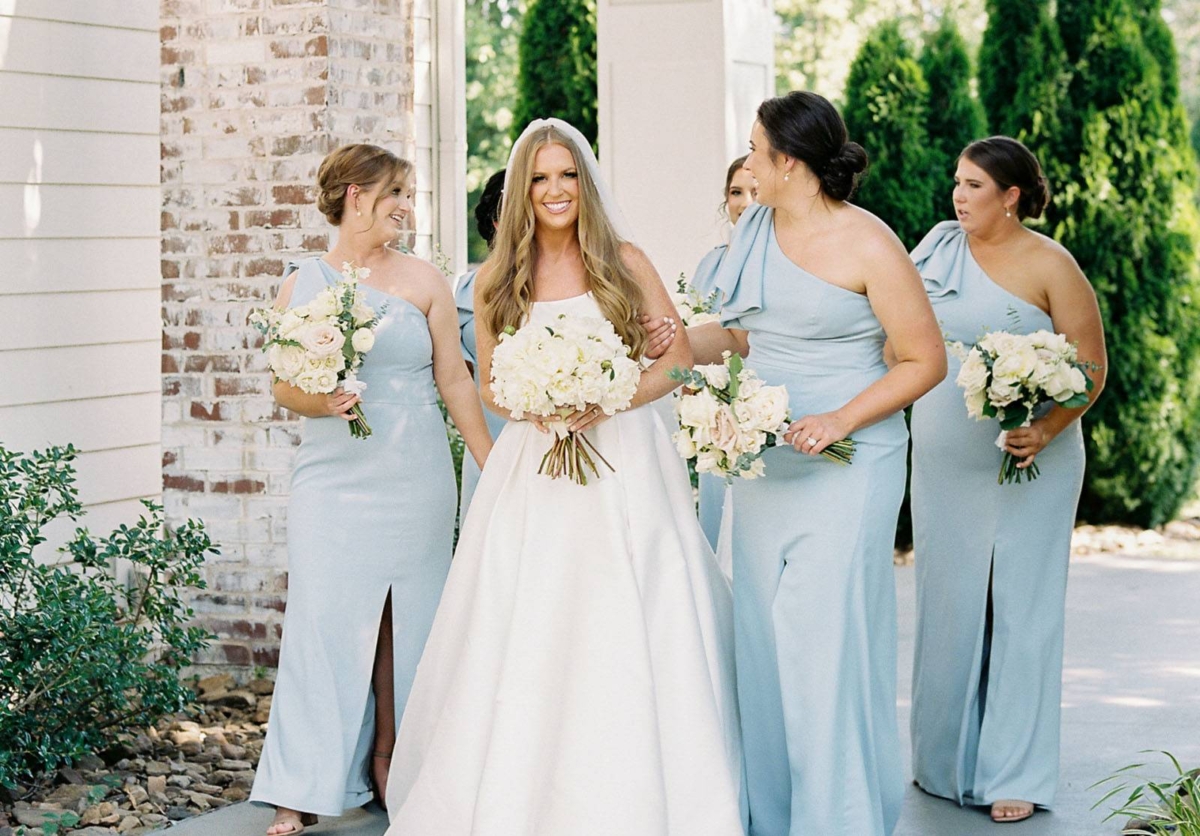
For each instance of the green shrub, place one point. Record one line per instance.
(954, 118)
(885, 112)
(82, 658)
(1127, 212)
(1158, 807)
(557, 76)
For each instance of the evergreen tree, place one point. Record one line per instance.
(557, 74)
(1003, 54)
(1128, 215)
(954, 117)
(1023, 78)
(885, 112)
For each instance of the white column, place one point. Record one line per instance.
(451, 120)
(679, 83)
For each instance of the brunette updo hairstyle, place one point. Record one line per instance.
(355, 165)
(487, 210)
(1010, 163)
(806, 126)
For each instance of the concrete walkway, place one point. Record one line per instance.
(1131, 682)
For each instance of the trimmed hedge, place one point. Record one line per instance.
(557, 76)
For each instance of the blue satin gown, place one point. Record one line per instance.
(365, 517)
(464, 298)
(712, 488)
(991, 564)
(814, 594)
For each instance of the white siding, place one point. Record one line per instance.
(424, 97)
(79, 219)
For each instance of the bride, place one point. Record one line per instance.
(578, 678)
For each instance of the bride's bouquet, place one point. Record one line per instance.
(320, 346)
(731, 417)
(1008, 376)
(551, 370)
(692, 307)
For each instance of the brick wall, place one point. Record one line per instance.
(254, 94)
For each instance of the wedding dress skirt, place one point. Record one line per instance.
(579, 675)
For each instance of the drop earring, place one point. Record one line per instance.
(786, 175)
(1007, 212)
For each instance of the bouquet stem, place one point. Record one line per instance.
(1009, 472)
(359, 428)
(840, 452)
(569, 456)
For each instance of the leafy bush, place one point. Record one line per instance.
(82, 658)
(1126, 209)
(885, 112)
(954, 117)
(558, 65)
(1159, 808)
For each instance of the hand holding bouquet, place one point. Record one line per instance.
(553, 369)
(320, 346)
(732, 417)
(693, 308)
(1007, 376)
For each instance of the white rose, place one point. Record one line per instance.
(363, 340)
(770, 403)
(698, 410)
(757, 468)
(716, 375)
(708, 461)
(976, 400)
(286, 361)
(973, 375)
(1015, 365)
(290, 322)
(685, 445)
(362, 312)
(321, 340)
(725, 431)
(1065, 382)
(1002, 394)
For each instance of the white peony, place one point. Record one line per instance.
(684, 445)
(363, 340)
(976, 400)
(1015, 364)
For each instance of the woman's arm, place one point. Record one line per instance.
(898, 298)
(710, 341)
(450, 373)
(1075, 314)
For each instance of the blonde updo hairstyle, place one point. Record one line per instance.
(507, 293)
(359, 165)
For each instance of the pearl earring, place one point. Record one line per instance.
(1007, 212)
(786, 175)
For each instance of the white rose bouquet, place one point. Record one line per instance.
(551, 370)
(320, 346)
(732, 417)
(1007, 376)
(693, 308)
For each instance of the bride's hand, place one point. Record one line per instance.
(538, 421)
(585, 419)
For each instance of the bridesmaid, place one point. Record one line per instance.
(992, 559)
(369, 521)
(738, 196)
(487, 213)
(812, 285)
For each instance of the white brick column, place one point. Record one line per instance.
(254, 94)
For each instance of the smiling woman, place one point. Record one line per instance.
(370, 521)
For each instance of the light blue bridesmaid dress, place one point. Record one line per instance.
(712, 488)
(991, 564)
(365, 518)
(464, 298)
(814, 595)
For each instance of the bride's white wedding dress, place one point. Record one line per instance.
(579, 675)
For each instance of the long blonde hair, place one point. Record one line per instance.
(507, 292)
